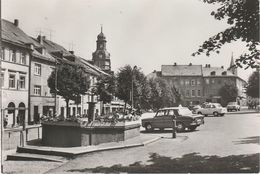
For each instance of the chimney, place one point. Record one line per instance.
(190, 64)
(175, 63)
(71, 52)
(16, 22)
(41, 39)
(209, 65)
(222, 67)
(206, 65)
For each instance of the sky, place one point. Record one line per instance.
(146, 33)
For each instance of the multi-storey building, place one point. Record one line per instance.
(42, 102)
(198, 84)
(16, 50)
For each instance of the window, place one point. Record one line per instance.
(207, 81)
(212, 81)
(37, 90)
(23, 59)
(37, 69)
(22, 82)
(219, 81)
(192, 82)
(3, 53)
(193, 93)
(199, 93)
(187, 82)
(12, 56)
(11, 81)
(187, 93)
(2, 78)
(198, 82)
(182, 82)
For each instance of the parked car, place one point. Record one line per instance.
(194, 108)
(164, 119)
(212, 109)
(233, 106)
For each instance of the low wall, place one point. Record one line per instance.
(70, 134)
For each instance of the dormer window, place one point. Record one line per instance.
(213, 73)
(224, 73)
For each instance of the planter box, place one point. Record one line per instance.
(72, 134)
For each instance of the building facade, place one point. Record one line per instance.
(198, 84)
(15, 54)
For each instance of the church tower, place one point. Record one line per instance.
(232, 67)
(101, 57)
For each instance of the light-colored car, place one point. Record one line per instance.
(212, 109)
(233, 106)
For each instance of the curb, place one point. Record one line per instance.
(253, 112)
(18, 157)
(69, 154)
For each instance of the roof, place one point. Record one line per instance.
(93, 67)
(14, 34)
(218, 71)
(181, 70)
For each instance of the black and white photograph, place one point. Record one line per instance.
(129, 86)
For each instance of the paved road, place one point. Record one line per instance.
(223, 144)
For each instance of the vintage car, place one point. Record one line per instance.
(214, 109)
(233, 106)
(164, 119)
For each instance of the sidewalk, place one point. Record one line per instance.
(37, 152)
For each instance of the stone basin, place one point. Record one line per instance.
(73, 134)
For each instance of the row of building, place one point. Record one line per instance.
(27, 63)
(198, 84)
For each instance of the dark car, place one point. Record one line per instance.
(164, 119)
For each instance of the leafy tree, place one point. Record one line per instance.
(243, 17)
(252, 88)
(228, 93)
(163, 94)
(124, 79)
(105, 88)
(72, 81)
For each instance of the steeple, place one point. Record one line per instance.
(101, 57)
(232, 67)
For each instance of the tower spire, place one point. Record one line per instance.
(101, 28)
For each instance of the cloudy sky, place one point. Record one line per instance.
(146, 33)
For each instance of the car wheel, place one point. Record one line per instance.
(148, 127)
(215, 114)
(222, 114)
(199, 113)
(180, 127)
(228, 110)
(238, 109)
(192, 128)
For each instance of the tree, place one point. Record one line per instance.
(163, 94)
(243, 17)
(252, 88)
(72, 81)
(124, 78)
(228, 93)
(105, 88)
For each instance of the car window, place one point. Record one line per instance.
(213, 106)
(160, 113)
(208, 106)
(171, 112)
(218, 105)
(184, 111)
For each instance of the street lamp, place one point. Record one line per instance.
(132, 93)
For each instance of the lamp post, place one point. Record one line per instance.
(132, 89)
(55, 95)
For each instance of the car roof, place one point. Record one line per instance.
(171, 108)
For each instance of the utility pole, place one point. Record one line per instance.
(55, 95)
(132, 93)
